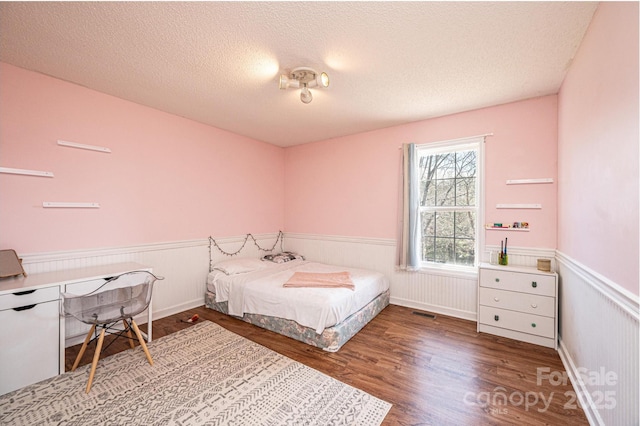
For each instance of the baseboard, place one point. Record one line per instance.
(178, 308)
(584, 397)
(79, 338)
(442, 310)
(142, 319)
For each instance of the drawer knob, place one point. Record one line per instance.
(533, 324)
(496, 317)
(534, 284)
(533, 305)
(497, 280)
(496, 299)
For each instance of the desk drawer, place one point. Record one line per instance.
(74, 327)
(521, 302)
(31, 297)
(518, 321)
(544, 285)
(85, 287)
(30, 345)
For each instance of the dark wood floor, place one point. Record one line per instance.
(434, 371)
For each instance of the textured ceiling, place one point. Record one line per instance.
(218, 62)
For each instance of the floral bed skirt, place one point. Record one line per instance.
(330, 340)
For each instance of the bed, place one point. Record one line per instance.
(253, 290)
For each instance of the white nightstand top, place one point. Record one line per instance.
(523, 269)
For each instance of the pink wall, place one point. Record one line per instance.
(167, 178)
(598, 148)
(349, 186)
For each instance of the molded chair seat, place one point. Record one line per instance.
(119, 299)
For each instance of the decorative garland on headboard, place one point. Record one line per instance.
(213, 243)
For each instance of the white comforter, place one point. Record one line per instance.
(261, 292)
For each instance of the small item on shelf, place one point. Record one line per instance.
(503, 258)
(544, 265)
(520, 226)
(497, 226)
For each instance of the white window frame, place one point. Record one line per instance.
(464, 144)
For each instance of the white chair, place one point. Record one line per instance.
(119, 299)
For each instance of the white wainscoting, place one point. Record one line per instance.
(599, 333)
(598, 320)
(183, 264)
(519, 256)
(435, 291)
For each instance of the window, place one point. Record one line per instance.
(449, 199)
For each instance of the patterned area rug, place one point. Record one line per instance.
(203, 375)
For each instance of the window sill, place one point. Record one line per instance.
(450, 271)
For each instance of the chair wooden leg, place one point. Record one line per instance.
(141, 340)
(83, 348)
(128, 329)
(96, 357)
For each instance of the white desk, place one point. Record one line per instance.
(32, 330)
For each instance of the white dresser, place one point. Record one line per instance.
(33, 334)
(518, 302)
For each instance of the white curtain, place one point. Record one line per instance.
(409, 238)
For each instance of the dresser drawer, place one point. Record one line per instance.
(518, 321)
(521, 302)
(544, 285)
(20, 299)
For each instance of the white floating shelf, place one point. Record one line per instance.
(491, 228)
(528, 181)
(59, 205)
(83, 146)
(25, 172)
(518, 206)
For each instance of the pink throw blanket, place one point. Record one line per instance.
(321, 279)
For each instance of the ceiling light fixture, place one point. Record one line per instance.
(304, 78)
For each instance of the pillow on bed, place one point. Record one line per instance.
(283, 257)
(239, 266)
